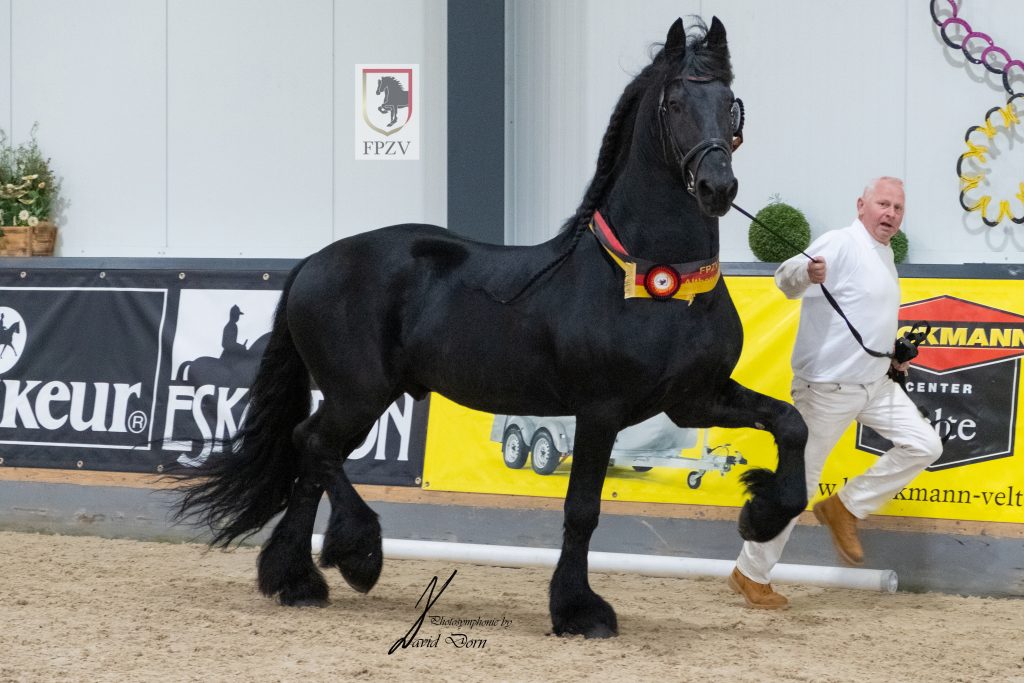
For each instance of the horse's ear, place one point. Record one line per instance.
(716, 35)
(676, 39)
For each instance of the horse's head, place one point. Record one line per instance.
(699, 118)
(380, 85)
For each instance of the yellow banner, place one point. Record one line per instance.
(967, 378)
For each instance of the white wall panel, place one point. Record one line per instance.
(5, 66)
(249, 127)
(549, 116)
(91, 74)
(371, 194)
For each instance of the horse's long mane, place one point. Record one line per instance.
(391, 80)
(699, 58)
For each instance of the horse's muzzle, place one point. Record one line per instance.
(715, 198)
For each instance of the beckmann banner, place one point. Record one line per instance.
(966, 380)
(140, 371)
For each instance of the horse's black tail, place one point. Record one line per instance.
(237, 492)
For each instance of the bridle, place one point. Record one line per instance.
(697, 153)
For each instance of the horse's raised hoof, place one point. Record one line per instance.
(361, 573)
(762, 517)
(593, 618)
(359, 562)
(763, 524)
(746, 526)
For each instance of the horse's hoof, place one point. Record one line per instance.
(753, 529)
(769, 522)
(363, 575)
(744, 525)
(306, 594)
(360, 564)
(295, 581)
(594, 619)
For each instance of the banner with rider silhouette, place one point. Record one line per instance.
(149, 371)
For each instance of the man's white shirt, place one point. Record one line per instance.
(861, 276)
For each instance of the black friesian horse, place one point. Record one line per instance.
(413, 308)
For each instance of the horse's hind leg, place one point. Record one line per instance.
(285, 565)
(353, 539)
(575, 607)
(777, 497)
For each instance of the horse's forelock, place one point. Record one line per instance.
(699, 58)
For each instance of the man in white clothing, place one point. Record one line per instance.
(835, 381)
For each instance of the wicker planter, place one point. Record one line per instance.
(22, 240)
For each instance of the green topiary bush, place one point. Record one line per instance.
(900, 247)
(785, 220)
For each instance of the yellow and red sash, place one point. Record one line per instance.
(649, 280)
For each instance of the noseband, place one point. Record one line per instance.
(697, 153)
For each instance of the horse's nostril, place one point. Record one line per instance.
(734, 187)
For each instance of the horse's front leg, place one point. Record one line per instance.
(575, 608)
(775, 498)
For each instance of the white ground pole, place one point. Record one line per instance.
(882, 580)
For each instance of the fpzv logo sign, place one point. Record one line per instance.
(966, 376)
(387, 118)
(78, 366)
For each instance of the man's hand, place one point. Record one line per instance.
(816, 270)
(901, 367)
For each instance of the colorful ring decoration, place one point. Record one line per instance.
(977, 152)
(662, 282)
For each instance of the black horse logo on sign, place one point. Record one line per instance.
(7, 337)
(395, 97)
(12, 338)
(394, 92)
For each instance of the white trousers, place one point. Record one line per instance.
(828, 409)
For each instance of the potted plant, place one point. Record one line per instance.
(900, 247)
(28, 199)
(785, 220)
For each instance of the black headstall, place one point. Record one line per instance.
(689, 163)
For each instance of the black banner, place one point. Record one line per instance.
(974, 409)
(144, 371)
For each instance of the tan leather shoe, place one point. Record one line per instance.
(757, 595)
(832, 513)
